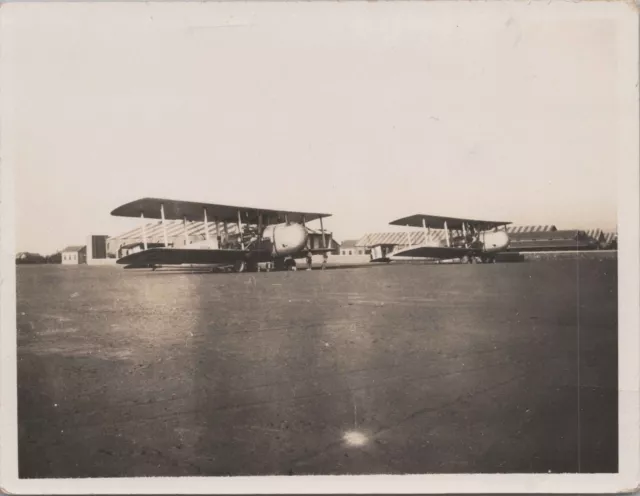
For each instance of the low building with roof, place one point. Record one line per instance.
(74, 255)
(349, 247)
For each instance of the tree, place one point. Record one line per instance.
(56, 258)
(29, 258)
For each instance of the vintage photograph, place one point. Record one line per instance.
(317, 239)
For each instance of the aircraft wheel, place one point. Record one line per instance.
(290, 264)
(253, 267)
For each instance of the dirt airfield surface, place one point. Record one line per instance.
(495, 368)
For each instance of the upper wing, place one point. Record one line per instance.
(178, 210)
(441, 252)
(178, 256)
(437, 222)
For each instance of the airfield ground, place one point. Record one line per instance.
(387, 369)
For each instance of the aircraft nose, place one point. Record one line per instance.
(301, 237)
(504, 241)
(292, 237)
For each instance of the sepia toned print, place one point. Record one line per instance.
(320, 239)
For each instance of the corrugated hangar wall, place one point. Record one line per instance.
(418, 236)
(543, 235)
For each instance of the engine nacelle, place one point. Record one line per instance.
(286, 239)
(494, 241)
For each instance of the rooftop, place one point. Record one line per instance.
(74, 248)
(349, 243)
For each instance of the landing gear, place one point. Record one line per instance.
(325, 257)
(309, 260)
(290, 264)
(284, 264)
(246, 266)
(487, 259)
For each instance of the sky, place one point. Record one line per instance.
(371, 111)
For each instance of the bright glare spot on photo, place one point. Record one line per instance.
(355, 438)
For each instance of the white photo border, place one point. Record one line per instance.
(626, 16)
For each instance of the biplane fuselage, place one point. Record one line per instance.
(285, 239)
(261, 236)
(464, 239)
(485, 242)
(276, 240)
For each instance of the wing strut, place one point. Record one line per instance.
(240, 230)
(324, 241)
(164, 226)
(215, 223)
(409, 238)
(206, 225)
(144, 232)
(186, 232)
(424, 228)
(446, 234)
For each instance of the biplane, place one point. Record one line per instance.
(467, 240)
(267, 238)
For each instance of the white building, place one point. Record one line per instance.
(74, 255)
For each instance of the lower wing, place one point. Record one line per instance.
(178, 256)
(441, 252)
(318, 251)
